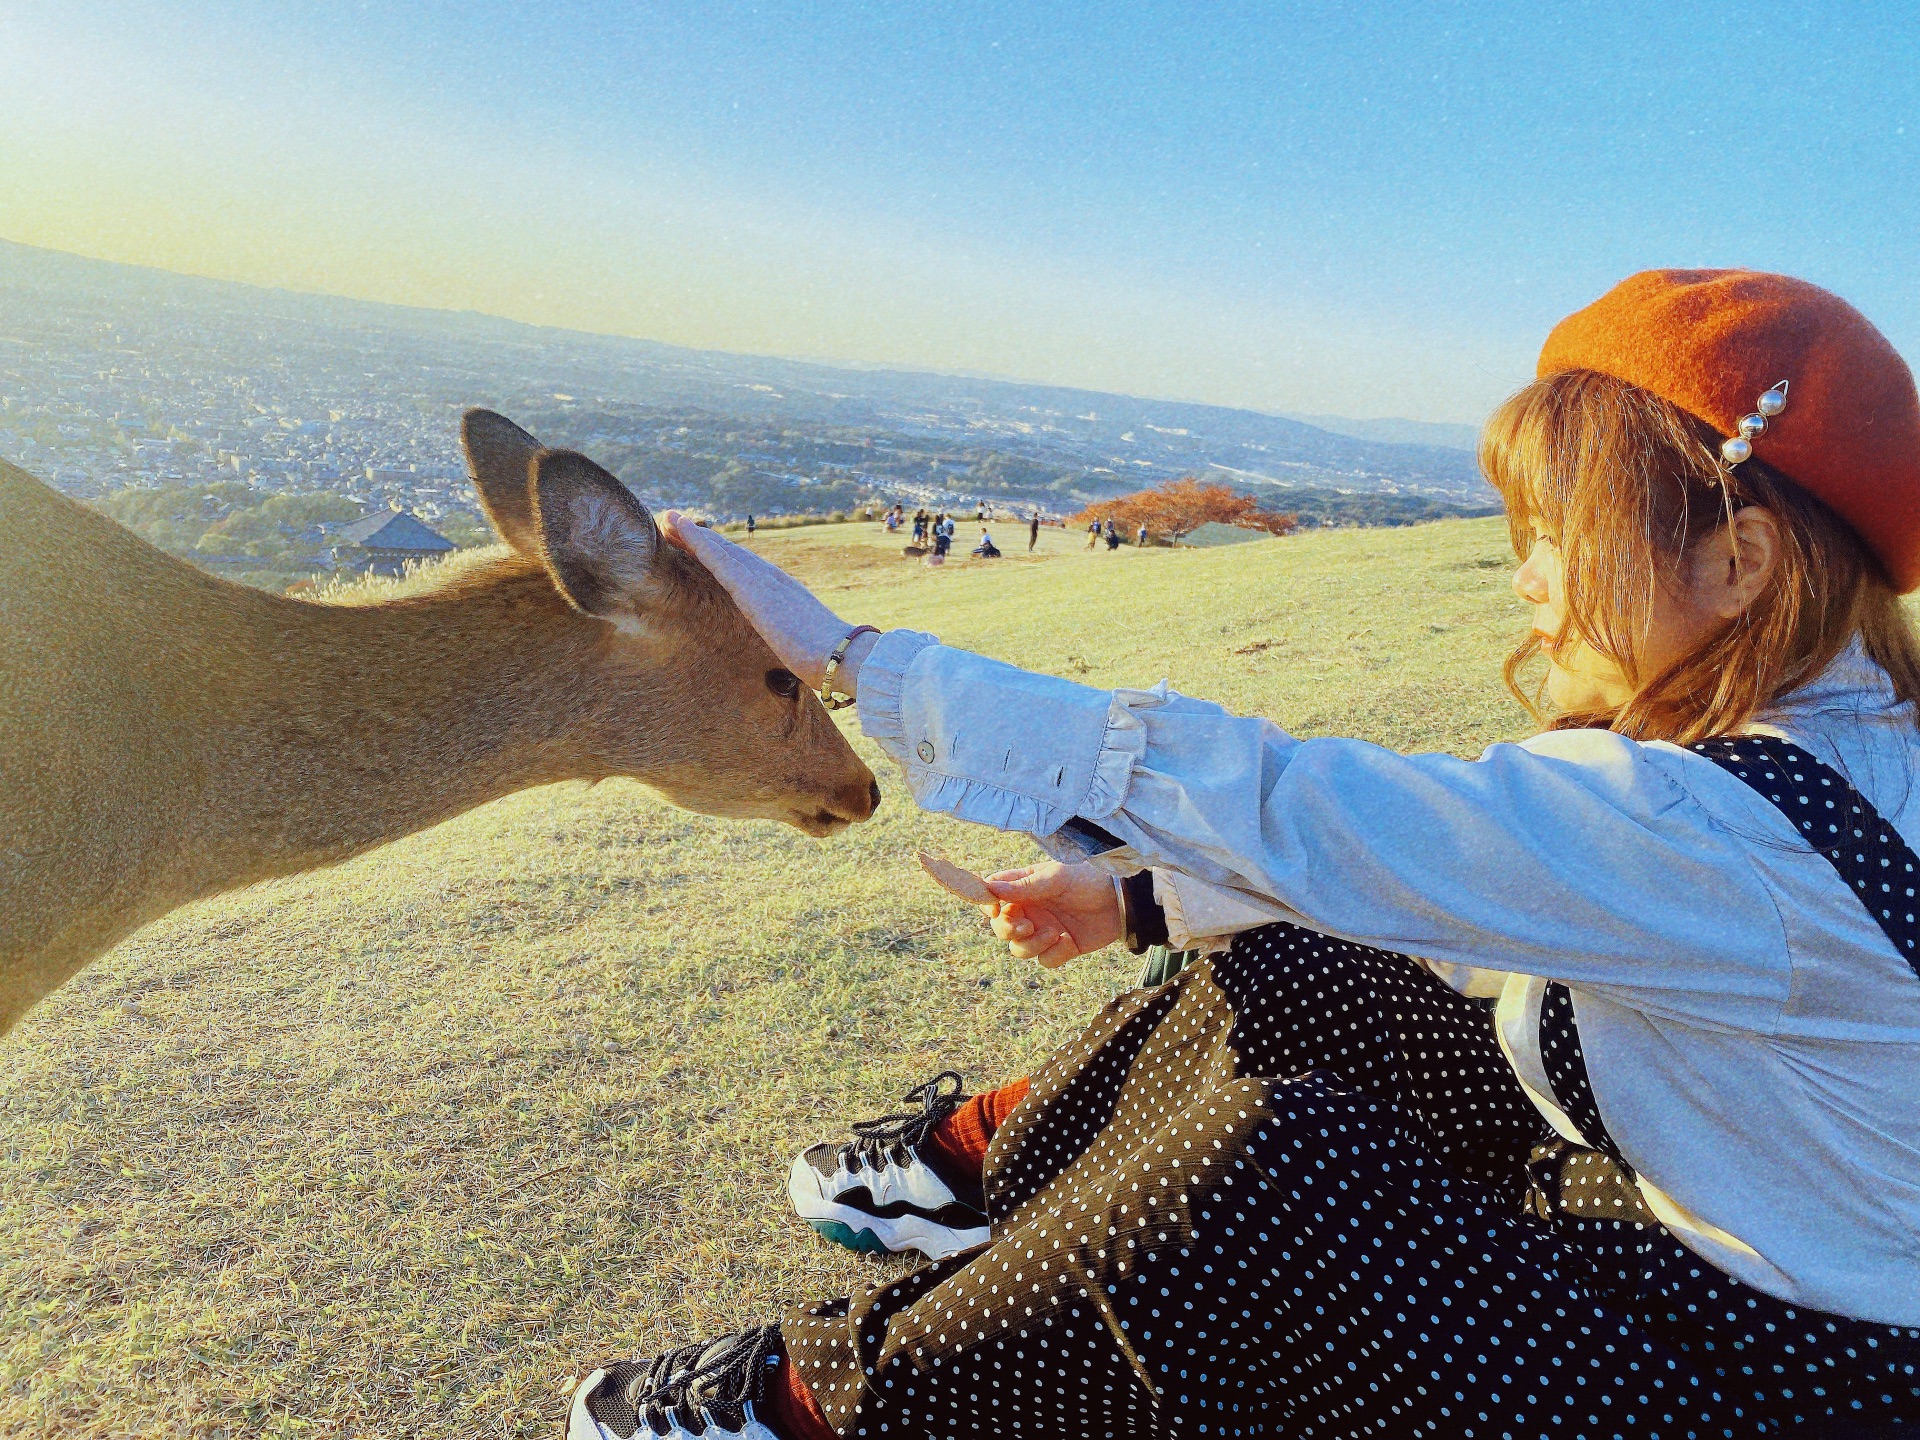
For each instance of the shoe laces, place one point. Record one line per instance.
(898, 1133)
(708, 1381)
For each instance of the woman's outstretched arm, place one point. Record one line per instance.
(1490, 862)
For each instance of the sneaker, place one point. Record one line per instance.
(707, 1390)
(880, 1194)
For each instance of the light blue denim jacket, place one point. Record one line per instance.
(1754, 1038)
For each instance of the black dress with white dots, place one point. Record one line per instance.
(1286, 1194)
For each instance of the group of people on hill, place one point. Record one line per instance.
(932, 534)
(1098, 530)
(935, 532)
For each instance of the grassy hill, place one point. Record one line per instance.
(400, 1148)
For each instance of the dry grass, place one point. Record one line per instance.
(400, 1148)
(417, 577)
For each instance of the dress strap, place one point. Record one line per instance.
(1566, 1068)
(1839, 822)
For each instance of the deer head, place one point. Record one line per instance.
(669, 683)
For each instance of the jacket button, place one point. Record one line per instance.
(925, 751)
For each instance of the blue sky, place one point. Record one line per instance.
(1365, 210)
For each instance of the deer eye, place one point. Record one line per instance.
(783, 683)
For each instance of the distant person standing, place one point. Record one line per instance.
(1093, 534)
(1141, 539)
(1033, 532)
(750, 525)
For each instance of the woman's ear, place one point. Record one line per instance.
(1737, 562)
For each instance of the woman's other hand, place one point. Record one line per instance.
(1053, 912)
(795, 625)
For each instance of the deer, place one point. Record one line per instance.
(167, 735)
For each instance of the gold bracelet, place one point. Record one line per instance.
(830, 697)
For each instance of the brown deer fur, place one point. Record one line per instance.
(166, 735)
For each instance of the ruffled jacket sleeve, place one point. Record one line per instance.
(1485, 863)
(1026, 752)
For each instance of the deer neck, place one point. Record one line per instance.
(362, 724)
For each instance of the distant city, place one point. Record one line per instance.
(247, 428)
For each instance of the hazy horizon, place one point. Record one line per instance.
(1280, 209)
(825, 361)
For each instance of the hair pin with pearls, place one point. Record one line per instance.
(1752, 427)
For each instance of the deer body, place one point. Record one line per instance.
(166, 735)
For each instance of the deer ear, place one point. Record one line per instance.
(500, 460)
(596, 539)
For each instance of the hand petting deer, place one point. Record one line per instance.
(166, 735)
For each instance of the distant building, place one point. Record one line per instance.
(1214, 533)
(382, 543)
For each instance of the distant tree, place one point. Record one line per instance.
(227, 518)
(1182, 506)
(465, 529)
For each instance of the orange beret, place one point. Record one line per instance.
(1712, 341)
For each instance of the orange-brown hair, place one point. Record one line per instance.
(1626, 482)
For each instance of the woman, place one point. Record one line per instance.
(1290, 1191)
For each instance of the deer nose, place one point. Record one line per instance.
(850, 807)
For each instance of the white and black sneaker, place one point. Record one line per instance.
(882, 1193)
(708, 1390)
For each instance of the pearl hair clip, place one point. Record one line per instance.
(1752, 427)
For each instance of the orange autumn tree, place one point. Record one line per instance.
(1183, 506)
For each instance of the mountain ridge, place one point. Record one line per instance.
(1104, 433)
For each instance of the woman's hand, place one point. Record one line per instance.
(1054, 912)
(795, 625)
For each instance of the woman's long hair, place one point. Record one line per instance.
(1627, 482)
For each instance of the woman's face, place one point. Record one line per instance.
(1580, 677)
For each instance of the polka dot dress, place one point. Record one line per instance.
(1284, 1195)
